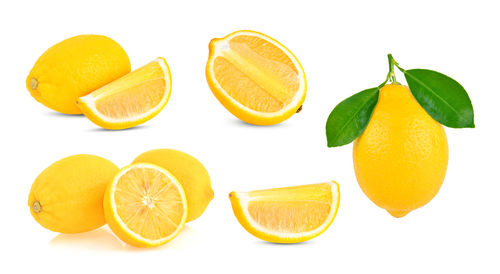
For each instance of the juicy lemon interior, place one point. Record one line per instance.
(133, 94)
(148, 202)
(256, 73)
(288, 217)
(291, 210)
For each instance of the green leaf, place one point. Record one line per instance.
(350, 117)
(442, 97)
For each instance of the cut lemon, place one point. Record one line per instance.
(130, 100)
(287, 215)
(145, 205)
(255, 77)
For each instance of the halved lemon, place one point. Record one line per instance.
(255, 77)
(130, 100)
(145, 205)
(287, 215)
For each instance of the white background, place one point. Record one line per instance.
(343, 48)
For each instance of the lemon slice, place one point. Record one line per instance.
(130, 100)
(255, 77)
(145, 205)
(287, 215)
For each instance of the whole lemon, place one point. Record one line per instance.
(75, 67)
(67, 197)
(189, 171)
(401, 157)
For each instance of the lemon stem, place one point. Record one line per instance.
(33, 83)
(37, 207)
(391, 76)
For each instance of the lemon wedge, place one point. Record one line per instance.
(287, 215)
(130, 100)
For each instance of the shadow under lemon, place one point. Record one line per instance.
(266, 243)
(237, 122)
(56, 114)
(104, 239)
(96, 128)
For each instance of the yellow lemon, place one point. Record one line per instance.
(255, 77)
(400, 159)
(67, 197)
(287, 215)
(191, 174)
(145, 205)
(130, 100)
(73, 68)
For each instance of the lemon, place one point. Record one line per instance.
(67, 197)
(130, 100)
(145, 205)
(287, 215)
(73, 68)
(255, 77)
(400, 159)
(191, 174)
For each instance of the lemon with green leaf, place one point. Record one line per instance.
(400, 150)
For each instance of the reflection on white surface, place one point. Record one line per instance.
(101, 238)
(104, 239)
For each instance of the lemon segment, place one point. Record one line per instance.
(255, 77)
(287, 215)
(131, 100)
(145, 205)
(268, 74)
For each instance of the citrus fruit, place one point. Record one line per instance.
(255, 77)
(130, 100)
(67, 197)
(401, 157)
(191, 174)
(145, 205)
(287, 215)
(73, 68)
